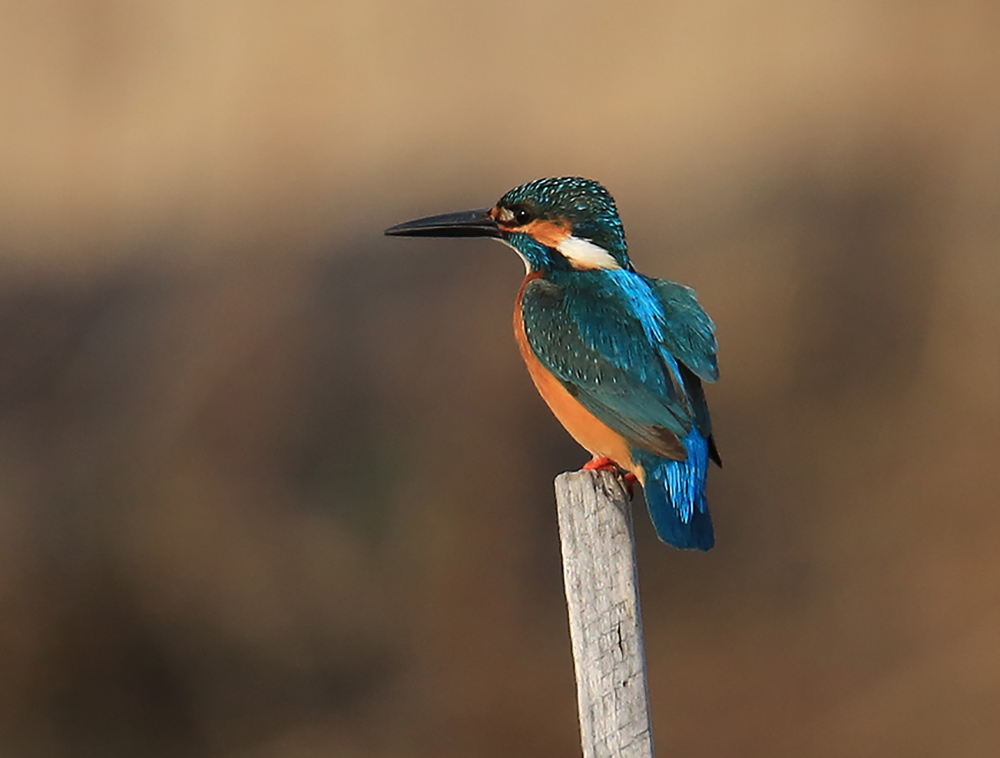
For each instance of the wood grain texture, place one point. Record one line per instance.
(602, 596)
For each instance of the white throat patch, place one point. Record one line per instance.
(584, 254)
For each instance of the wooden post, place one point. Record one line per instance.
(602, 595)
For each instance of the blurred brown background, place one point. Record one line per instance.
(274, 486)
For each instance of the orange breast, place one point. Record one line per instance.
(598, 438)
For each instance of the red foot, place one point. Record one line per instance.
(600, 464)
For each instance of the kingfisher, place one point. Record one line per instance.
(619, 357)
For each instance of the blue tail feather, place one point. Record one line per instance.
(675, 495)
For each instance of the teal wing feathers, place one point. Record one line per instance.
(628, 350)
(690, 332)
(690, 336)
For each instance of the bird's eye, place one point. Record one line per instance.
(522, 216)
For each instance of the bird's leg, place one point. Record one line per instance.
(600, 464)
(604, 463)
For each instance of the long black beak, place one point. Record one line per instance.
(476, 223)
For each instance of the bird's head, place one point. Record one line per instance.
(565, 223)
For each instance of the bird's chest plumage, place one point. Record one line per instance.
(595, 436)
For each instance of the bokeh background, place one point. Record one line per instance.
(274, 486)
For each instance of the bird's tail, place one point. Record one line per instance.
(675, 495)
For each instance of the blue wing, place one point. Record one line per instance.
(631, 349)
(689, 332)
(584, 332)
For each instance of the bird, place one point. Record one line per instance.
(619, 357)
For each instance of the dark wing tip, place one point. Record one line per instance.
(713, 451)
(670, 445)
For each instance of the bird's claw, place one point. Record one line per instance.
(630, 480)
(606, 464)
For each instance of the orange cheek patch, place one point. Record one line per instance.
(549, 233)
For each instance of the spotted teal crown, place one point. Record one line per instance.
(583, 204)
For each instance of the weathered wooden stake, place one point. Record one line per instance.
(602, 595)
